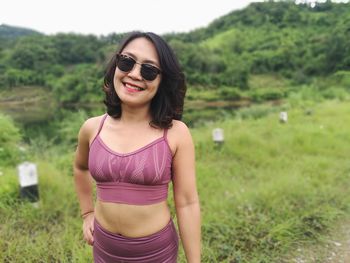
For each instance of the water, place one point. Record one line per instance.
(29, 112)
(42, 111)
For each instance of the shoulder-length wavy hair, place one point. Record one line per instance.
(168, 102)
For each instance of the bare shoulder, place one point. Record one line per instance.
(179, 134)
(90, 127)
(179, 128)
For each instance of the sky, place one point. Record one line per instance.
(102, 17)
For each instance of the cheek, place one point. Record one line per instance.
(117, 74)
(157, 86)
(117, 77)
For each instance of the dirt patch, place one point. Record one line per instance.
(335, 248)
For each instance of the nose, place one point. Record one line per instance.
(135, 73)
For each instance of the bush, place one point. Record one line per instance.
(335, 93)
(68, 127)
(259, 95)
(342, 78)
(257, 112)
(230, 93)
(9, 140)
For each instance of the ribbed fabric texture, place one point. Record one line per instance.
(136, 194)
(160, 247)
(140, 177)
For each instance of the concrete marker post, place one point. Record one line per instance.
(28, 180)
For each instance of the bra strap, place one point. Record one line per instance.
(99, 128)
(101, 124)
(165, 134)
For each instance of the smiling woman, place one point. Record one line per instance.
(133, 152)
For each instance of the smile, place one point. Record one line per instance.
(132, 88)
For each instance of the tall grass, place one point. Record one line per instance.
(271, 187)
(50, 233)
(10, 136)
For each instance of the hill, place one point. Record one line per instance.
(13, 32)
(293, 43)
(10, 34)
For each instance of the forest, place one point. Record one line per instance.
(293, 42)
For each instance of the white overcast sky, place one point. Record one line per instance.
(101, 17)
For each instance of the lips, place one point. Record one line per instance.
(132, 87)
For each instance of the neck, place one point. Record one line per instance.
(135, 115)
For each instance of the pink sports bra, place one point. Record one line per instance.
(140, 177)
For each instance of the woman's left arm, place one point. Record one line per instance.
(185, 194)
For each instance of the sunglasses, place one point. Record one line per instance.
(126, 64)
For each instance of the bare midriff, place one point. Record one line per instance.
(132, 220)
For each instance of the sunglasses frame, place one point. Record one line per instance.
(144, 66)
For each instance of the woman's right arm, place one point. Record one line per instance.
(83, 181)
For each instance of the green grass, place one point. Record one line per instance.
(266, 81)
(50, 233)
(270, 188)
(273, 186)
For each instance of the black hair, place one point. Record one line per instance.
(168, 102)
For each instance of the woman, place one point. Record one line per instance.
(132, 153)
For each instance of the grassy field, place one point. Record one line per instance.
(270, 188)
(273, 186)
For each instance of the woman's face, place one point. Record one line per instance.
(131, 87)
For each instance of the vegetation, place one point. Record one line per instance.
(257, 204)
(276, 183)
(294, 42)
(9, 140)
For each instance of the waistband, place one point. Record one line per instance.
(161, 246)
(168, 227)
(134, 194)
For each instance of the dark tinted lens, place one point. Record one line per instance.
(125, 63)
(149, 72)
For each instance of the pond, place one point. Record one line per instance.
(43, 110)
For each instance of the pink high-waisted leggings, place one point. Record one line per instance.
(160, 247)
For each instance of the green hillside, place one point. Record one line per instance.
(12, 32)
(296, 42)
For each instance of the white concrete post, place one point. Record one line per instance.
(28, 180)
(283, 116)
(218, 136)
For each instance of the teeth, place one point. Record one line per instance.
(132, 87)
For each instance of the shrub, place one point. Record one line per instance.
(230, 93)
(335, 93)
(342, 78)
(259, 95)
(9, 140)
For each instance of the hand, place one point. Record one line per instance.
(88, 228)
